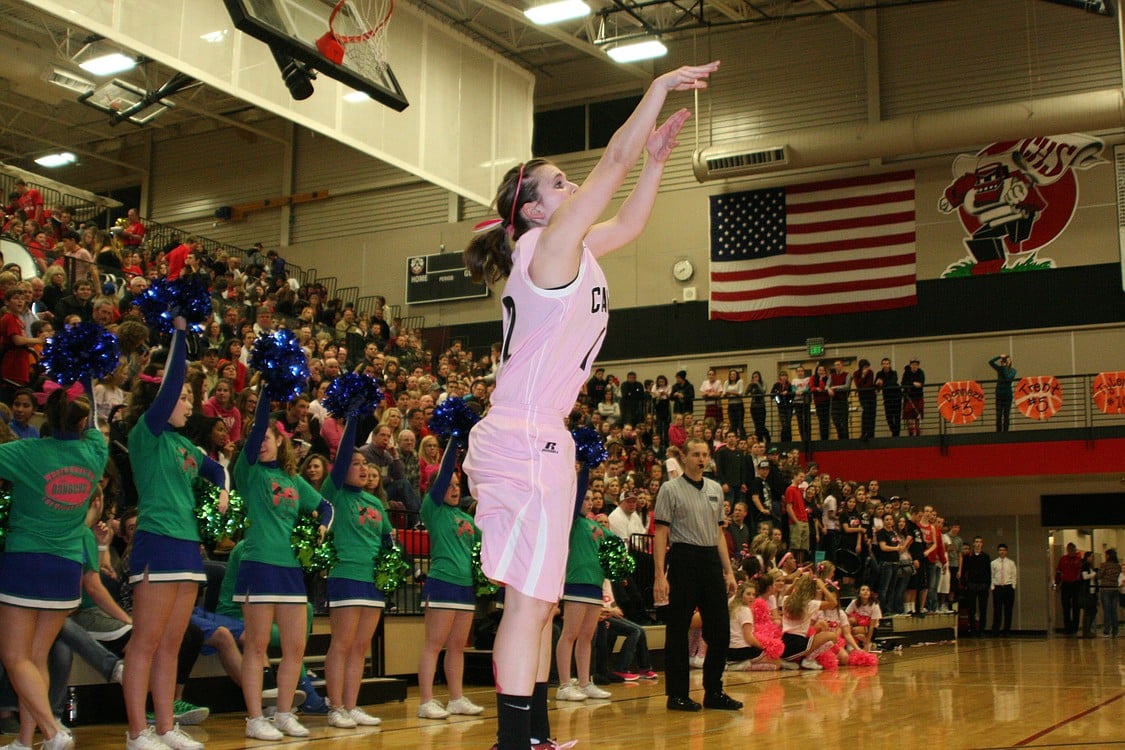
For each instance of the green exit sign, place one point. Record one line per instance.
(816, 347)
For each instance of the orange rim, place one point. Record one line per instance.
(355, 38)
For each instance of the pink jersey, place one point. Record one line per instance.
(551, 336)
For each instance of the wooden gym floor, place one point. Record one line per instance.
(986, 693)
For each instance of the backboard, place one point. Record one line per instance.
(291, 28)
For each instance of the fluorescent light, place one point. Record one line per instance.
(627, 53)
(214, 37)
(60, 159)
(108, 64)
(561, 10)
(356, 96)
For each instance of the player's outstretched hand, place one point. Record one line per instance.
(688, 77)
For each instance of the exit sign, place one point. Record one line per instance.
(816, 347)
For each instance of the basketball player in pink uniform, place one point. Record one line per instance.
(520, 460)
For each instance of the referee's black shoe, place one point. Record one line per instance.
(683, 704)
(722, 701)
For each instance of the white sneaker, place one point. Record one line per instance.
(696, 662)
(178, 739)
(810, 664)
(259, 728)
(146, 740)
(15, 745)
(287, 723)
(786, 664)
(570, 692)
(464, 707)
(432, 709)
(338, 717)
(118, 675)
(62, 740)
(364, 719)
(593, 691)
(738, 666)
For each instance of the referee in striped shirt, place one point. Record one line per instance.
(688, 513)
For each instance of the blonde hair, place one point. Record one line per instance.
(735, 602)
(803, 592)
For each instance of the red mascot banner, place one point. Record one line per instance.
(961, 401)
(1039, 396)
(1109, 392)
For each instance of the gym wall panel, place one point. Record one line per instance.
(958, 54)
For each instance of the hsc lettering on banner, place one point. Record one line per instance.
(1039, 396)
(961, 401)
(1109, 392)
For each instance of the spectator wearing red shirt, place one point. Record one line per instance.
(798, 515)
(30, 201)
(133, 233)
(15, 363)
(935, 558)
(1068, 574)
(178, 256)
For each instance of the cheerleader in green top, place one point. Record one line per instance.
(449, 596)
(270, 585)
(582, 602)
(166, 566)
(362, 529)
(41, 568)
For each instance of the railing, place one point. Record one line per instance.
(84, 210)
(1074, 400)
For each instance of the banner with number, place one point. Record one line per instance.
(961, 401)
(1109, 392)
(1039, 396)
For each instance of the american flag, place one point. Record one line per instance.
(821, 248)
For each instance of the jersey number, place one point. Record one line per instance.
(510, 323)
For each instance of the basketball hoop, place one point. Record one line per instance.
(357, 36)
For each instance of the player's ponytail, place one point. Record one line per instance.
(489, 254)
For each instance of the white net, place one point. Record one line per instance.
(360, 27)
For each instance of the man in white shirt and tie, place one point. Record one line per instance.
(1004, 576)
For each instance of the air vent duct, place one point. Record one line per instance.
(716, 163)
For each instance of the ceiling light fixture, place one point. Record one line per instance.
(634, 51)
(554, 12)
(101, 58)
(60, 159)
(355, 97)
(214, 37)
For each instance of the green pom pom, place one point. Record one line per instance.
(390, 570)
(213, 525)
(313, 555)
(614, 556)
(481, 583)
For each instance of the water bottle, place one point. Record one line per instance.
(71, 706)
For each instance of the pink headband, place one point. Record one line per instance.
(786, 556)
(150, 379)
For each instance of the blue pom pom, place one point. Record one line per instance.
(283, 364)
(453, 418)
(165, 300)
(589, 446)
(79, 350)
(352, 394)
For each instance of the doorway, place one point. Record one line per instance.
(1096, 540)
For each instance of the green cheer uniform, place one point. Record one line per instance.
(52, 481)
(582, 564)
(452, 535)
(168, 463)
(359, 527)
(273, 501)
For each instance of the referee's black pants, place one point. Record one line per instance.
(695, 579)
